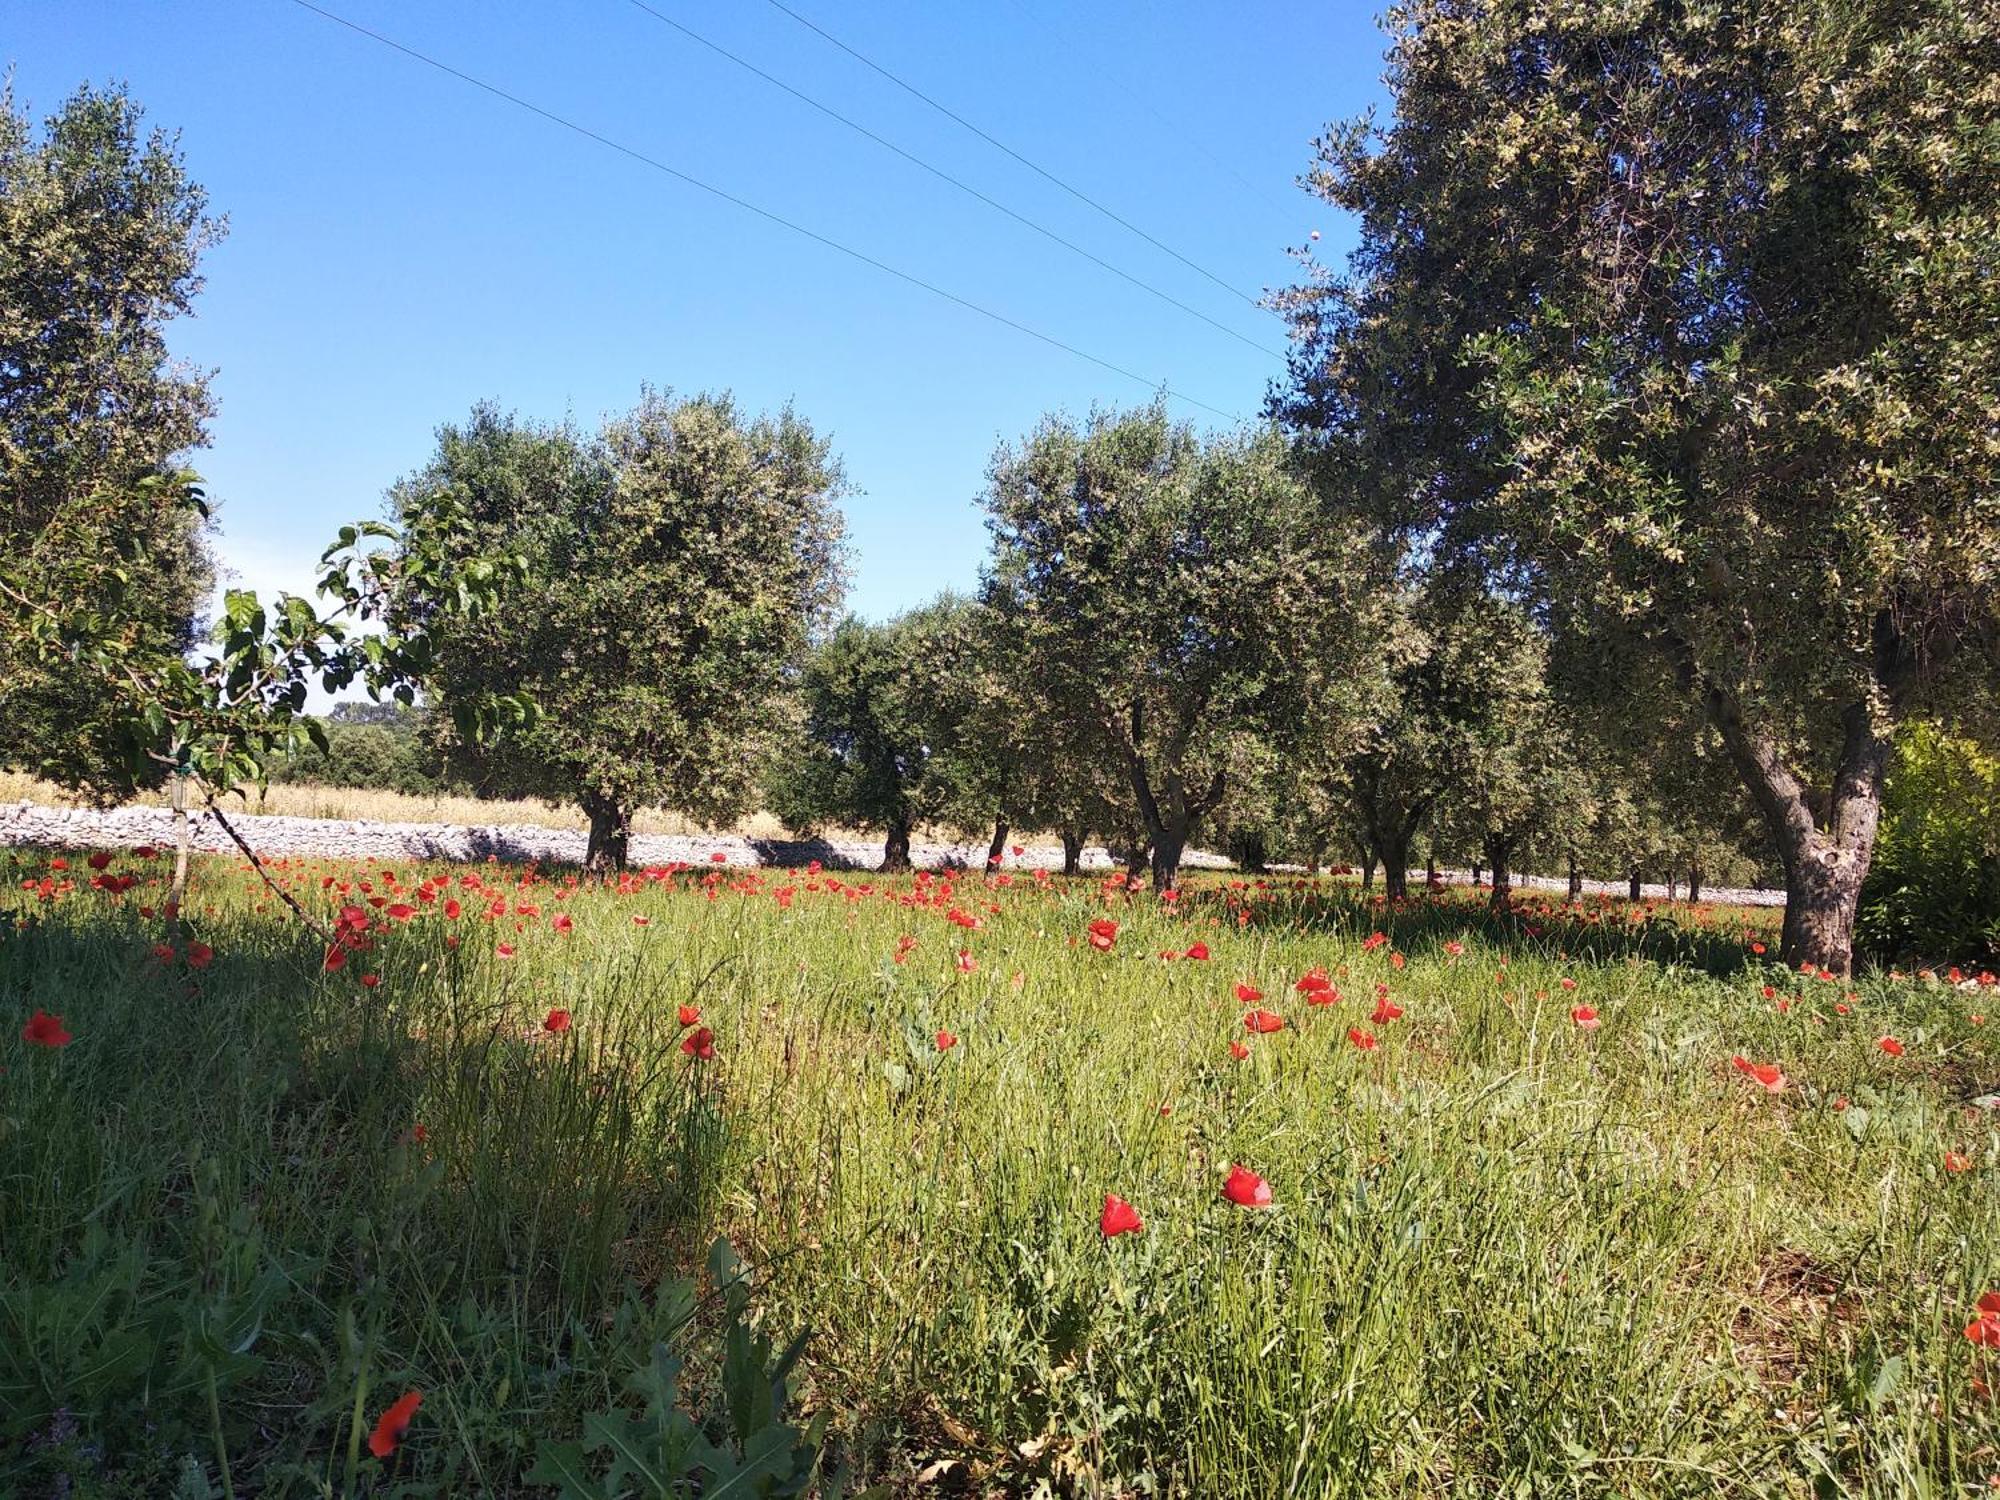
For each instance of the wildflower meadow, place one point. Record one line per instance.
(1185, 752)
(1026, 1184)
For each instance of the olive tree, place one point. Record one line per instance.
(886, 708)
(101, 237)
(1179, 599)
(675, 567)
(1677, 322)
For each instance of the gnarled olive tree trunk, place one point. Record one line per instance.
(610, 835)
(1499, 855)
(1825, 862)
(1171, 812)
(1826, 843)
(896, 848)
(1072, 841)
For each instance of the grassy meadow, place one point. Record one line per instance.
(1532, 1227)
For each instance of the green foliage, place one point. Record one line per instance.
(101, 237)
(668, 1450)
(1675, 324)
(389, 753)
(1934, 890)
(887, 710)
(100, 563)
(1643, 1255)
(1178, 602)
(676, 567)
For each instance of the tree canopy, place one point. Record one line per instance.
(1677, 325)
(888, 711)
(676, 565)
(102, 232)
(1179, 600)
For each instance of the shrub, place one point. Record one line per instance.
(1934, 889)
(387, 755)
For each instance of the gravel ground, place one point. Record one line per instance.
(25, 823)
(276, 837)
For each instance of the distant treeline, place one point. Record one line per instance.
(375, 746)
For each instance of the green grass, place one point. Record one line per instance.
(1507, 1255)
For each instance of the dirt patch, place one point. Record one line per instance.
(1792, 1306)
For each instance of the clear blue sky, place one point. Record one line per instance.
(402, 245)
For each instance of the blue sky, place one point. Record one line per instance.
(402, 245)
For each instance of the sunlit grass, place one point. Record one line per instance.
(1507, 1254)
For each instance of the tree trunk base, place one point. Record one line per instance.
(610, 836)
(896, 850)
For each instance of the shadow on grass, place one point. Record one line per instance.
(301, 1174)
(1597, 931)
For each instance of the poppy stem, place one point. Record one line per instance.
(221, 1444)
(354, 1430)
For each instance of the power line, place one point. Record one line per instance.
(888, 145)
(1000, 145)
(1289, 210)
(763, 213)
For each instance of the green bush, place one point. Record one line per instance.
(385, 754)
(1934, 890)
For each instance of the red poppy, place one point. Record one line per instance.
(1362, 1039)
(1957, 1161)
(640, 921)
(335, 958)
(1246, 1189)
(1386, 1010)
(1247, 993)
(689, 1014)
(45, 1030)
(1769, 1076)
(561, 922)
(1119, 1217)
(699, 1043)
(946, 1041)
(1585, 1017)
(1263, 1022)
(393, 1423)
(1197, 951)
(1238, 1051)
(1373, 941)
(1984, 1330)
(451, 908)
(505, 950)
(99, 861)
(556, 1022)
(200, 955)
(1103, 933)
(966, 962)
(1313, 982)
